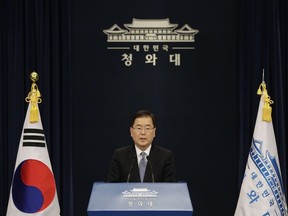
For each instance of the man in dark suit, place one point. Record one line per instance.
(126, 161)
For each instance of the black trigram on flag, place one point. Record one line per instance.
(33, 137)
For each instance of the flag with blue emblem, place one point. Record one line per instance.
(262, 191)
(33, 189)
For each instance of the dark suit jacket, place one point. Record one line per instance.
(161, 159)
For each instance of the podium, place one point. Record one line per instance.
(139, 199)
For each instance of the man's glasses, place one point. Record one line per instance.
(139, 129)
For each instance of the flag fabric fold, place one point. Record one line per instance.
(33, 189)
(262, 191)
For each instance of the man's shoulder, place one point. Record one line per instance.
(125, 148)
(162, 149)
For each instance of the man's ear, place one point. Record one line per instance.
(155, 131)
(131, 131)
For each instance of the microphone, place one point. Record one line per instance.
(151, 169)
(130, 168)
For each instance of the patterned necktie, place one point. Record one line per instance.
(142, 165)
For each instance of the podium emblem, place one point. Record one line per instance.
(140, 193)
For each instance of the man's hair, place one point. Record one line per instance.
(143, 113)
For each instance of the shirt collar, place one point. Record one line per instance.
(147, 151)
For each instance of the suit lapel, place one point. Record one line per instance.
(151, 163)
(153, 154)
(135, 176)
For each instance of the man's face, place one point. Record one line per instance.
(143, 132)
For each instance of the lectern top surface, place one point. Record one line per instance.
(140, 197)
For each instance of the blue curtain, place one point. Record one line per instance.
(35, 36)
(263, 45)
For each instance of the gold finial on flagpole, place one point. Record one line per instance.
(267, 109)
(34, 76)
(34, 98)
(262, 86)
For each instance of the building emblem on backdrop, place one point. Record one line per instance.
(151, 36)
